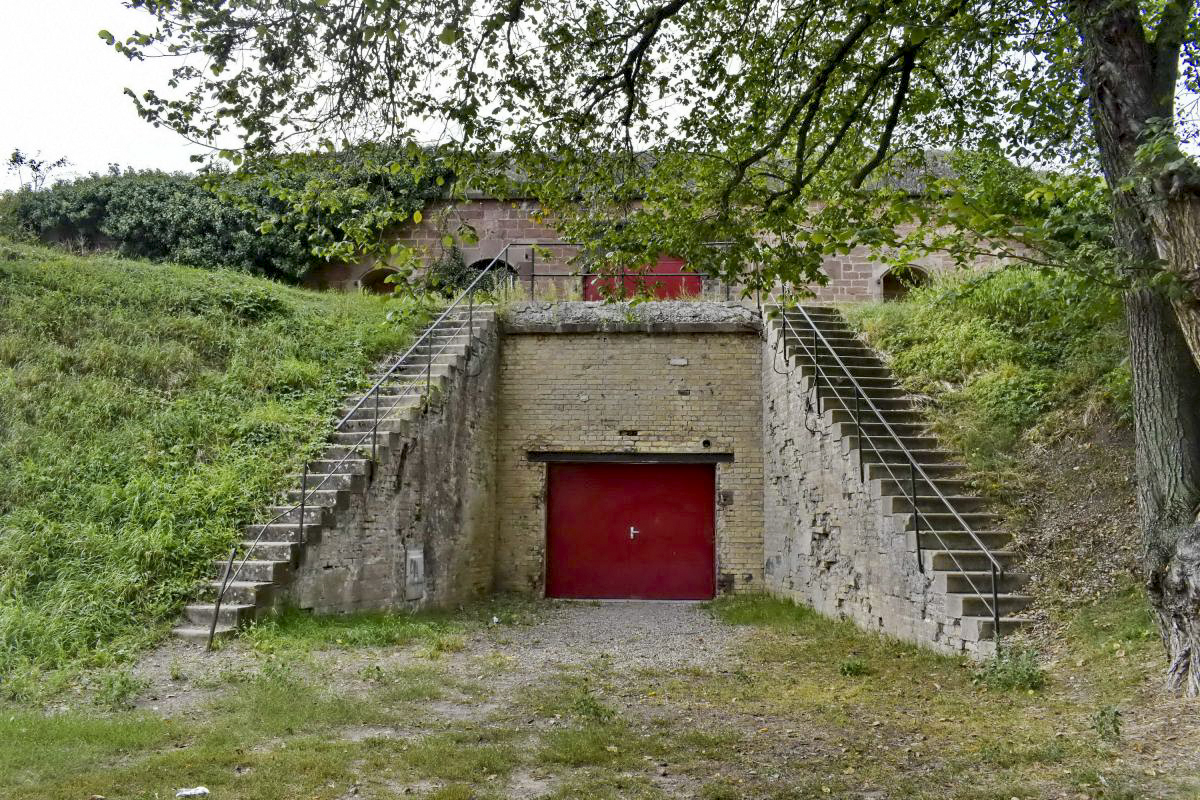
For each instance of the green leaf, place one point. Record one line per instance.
(449, 35)
(417, 217)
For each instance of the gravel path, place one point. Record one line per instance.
(631, 635)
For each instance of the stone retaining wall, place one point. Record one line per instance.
(827, 540)
(423, 533)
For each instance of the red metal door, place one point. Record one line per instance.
(631, 531)
(663, 280)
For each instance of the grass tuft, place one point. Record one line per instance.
(1011, 668)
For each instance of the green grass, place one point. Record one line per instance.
(146, 412)
(777, 719)
(1002, 353)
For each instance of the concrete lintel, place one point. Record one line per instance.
(655, 317)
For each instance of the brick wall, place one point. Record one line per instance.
(432, 494)
(581, 376)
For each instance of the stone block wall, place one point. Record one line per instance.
(432, 499)
(668, 377)
(827, 540)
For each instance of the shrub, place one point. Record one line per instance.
(1106, 722)
(157, 216)
(853, 668)
(275, 220)
(1011, 668)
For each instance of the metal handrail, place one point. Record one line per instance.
(996, 568)
(305, 493)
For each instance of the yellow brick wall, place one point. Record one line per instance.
(577, 392)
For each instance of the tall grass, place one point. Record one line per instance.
(1002, 353)
(146, 413)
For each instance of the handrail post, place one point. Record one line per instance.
(303, 494)
(816, 368)
(428, 365)
(212, 628)
(470, 323)
(862, 473)
(532, 272)
(995, 605)
(912, 478)
(375, 430)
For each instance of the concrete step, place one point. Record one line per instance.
(282, 532)
(843, 396)
(967, 560)
(973, 605)
(199, 634)
(361, 440)
(876, 470)
(256, 571)
(241, 592)
(877, 430)
(326, 498)
(835, 415)
(389, 422)
(835, 373)
(963, 504)
(960, 540)
(349, 481)
(885, 443)
(947, 521)
(980, 629)
(232, 615)
(313, 515)
(352, 466)
(390, 404)
(981, 582)
(407, 373)
(410, 394)
(882, 454)
(889, 487)
(264, 550)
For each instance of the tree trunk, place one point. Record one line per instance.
(1119, 70)
(1167, 427)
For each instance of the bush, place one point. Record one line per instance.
(999, 352)
(147, 412)
(157, 216)
(276, 219)
(1011, 668)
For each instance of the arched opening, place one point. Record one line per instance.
(375, 281)
(899, 281)
(501, 272)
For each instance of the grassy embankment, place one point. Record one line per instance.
(147, 411)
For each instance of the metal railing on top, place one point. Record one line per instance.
(816, 338)
(644, 279)
(230, 575)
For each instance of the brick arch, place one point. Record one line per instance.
(375, 281)
(896, 282)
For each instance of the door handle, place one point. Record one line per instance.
(633, 532)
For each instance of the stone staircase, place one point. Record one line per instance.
(952, 557)
(274, 550)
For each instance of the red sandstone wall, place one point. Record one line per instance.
(499, 222)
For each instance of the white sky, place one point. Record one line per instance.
(61, 89)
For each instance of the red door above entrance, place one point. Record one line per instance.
(663, 280)
(631, 531)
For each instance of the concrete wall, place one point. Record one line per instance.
(664, 377)
(433, 496)
(827, 541)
